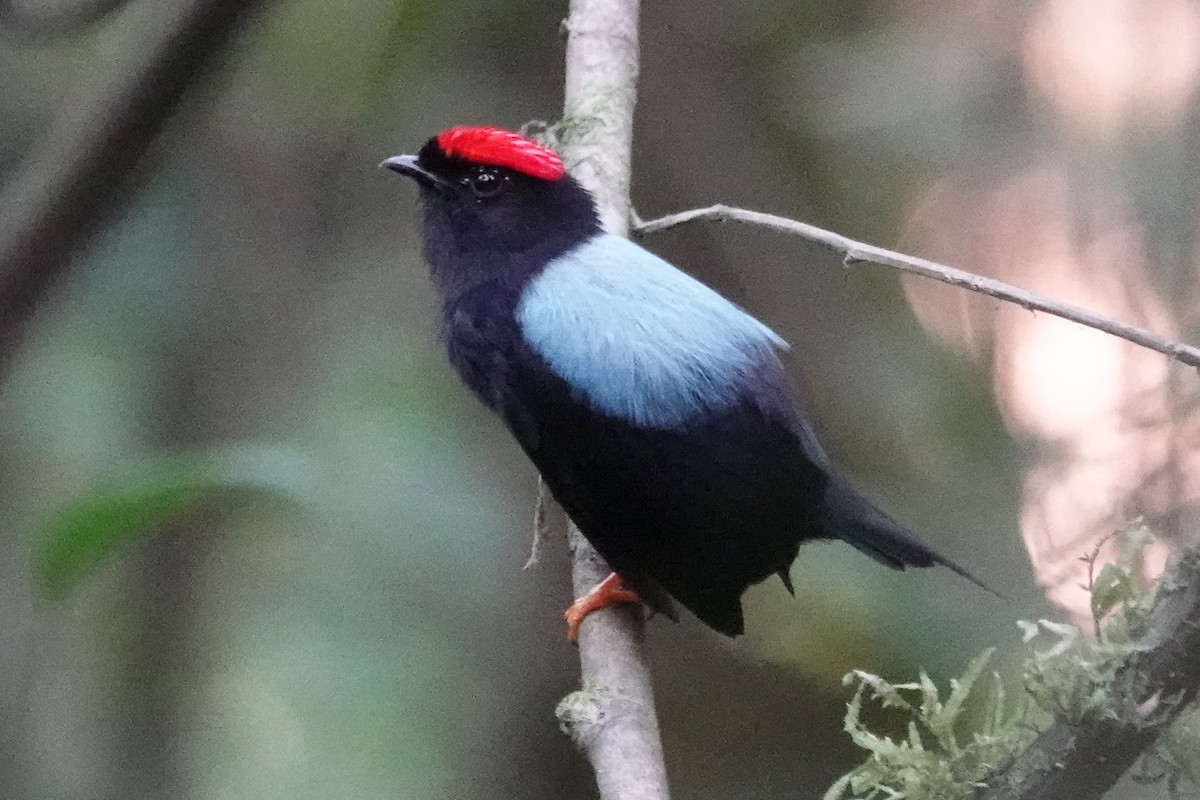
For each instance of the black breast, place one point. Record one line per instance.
(702, 512)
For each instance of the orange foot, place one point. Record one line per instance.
(609, 592)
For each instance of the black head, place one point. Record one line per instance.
(497, 206)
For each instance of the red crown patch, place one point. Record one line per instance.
(487, 145)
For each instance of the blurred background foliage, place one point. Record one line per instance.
(324, 595)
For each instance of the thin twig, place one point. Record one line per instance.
(81, 175)
(853, 252)
(541, 528)
(1160, 677)
(612, 718)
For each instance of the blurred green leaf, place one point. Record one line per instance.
(98, 523)
(1114, 586)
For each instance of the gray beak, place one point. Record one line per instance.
(408, 165)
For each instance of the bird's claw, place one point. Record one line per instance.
(608, 592)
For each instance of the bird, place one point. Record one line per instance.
(656, 410)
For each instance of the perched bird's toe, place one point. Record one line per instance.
(608, 592)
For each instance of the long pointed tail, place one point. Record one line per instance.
(849, 516)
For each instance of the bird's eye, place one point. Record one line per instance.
(486, 182)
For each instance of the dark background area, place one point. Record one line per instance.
(359, 626)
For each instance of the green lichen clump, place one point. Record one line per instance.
(1074, 677)
(934, 761)
(1066, 674)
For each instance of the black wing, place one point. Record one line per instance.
(701, 512)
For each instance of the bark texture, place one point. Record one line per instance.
(612, 718)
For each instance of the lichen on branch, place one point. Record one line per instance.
(1087, 706)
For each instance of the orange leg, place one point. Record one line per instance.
(608, 592)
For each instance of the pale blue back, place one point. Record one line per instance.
(640, 340)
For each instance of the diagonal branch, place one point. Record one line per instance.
(1155, 683)
(78, 179)
(612, 718)
(853, 252)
